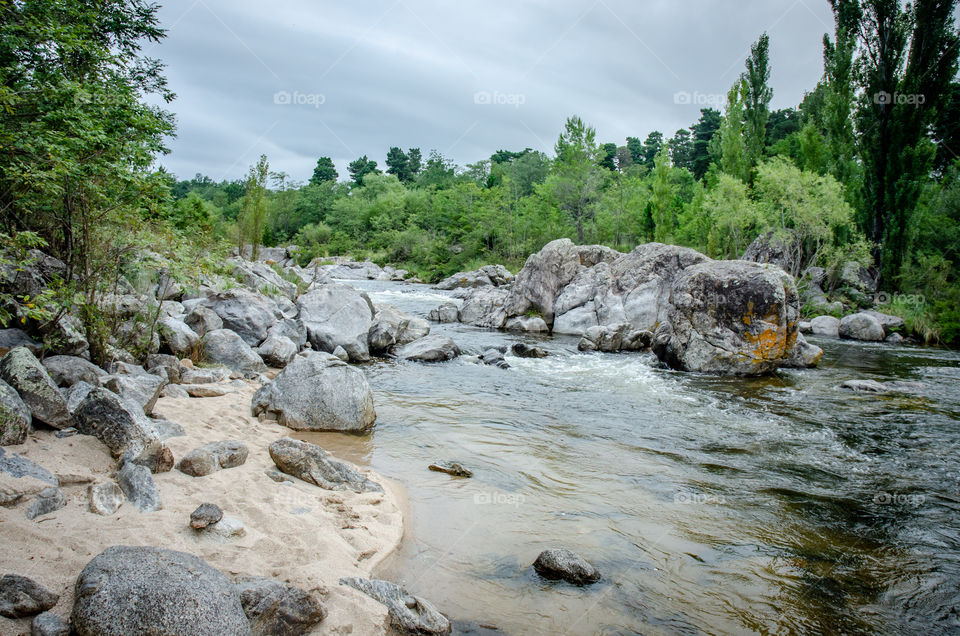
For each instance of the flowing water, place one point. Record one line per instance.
(710, 505)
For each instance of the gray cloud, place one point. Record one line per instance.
(251, 76)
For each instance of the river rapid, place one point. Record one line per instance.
(710, 505)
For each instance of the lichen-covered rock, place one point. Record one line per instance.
(407, 614)
(15, 417)
(223, 346)
(120, 425)
(729, 317)
(560, 563)
(66, 371)
(311, 463)
(22, 371)
(20, 596)
(318, 392)
(337, 315)
(804, 355)
(144, 590)
(276, 609)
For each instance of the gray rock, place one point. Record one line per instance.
(18, 466)
(894, 338)
(67, 337)
(277, 351)
(729, 317)
(144, 590)
(77, 394)
(20, 597)
(204, 376)
(66, 371)
(143, 390)
(13, 338)
(447, 312)
(486, 307)
(227, 348)
(493, 358)
(861, 326)
(47, 501)
(211, 457)
(526, 351)
(295, 330)
(826, 326)
(174, 391)
(227, 529)
(341, 354)
(263, 278)
(888, 322)
(394, 327)
(336, 315)
(804, 355)
(119, 424)
(105, 498)
(166, 429)
(805, 327)
(865, 386)
(247, 314)
(22, 371)
(276, 609)
(15, 417)
(489, 275)
(310, 463)
(167, 366)
(560, 563)
(138, 486)
(526, 324)
(408, 614)
(206, 390)
(49, 624)
(434, 348)
(205, 515)
(202, 320)
(120, 367)
(451, 468)
(318, 392)
(776, 249)
(614, 338)
(177, 337)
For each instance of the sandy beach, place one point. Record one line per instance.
(295, 532)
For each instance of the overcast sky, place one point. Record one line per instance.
(300, 79)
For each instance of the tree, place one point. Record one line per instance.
(359, 168)
(324, 171)
(651, 147)
(608, 156)
(414, 163)
(635, 146)
(575, 182)
(681, 149)
(756, 100)
(439, 172)
(663, 199)
(729, 147)
(900, 97)
(782, 123)
(703, 133)
(398, 164)
(734, 215)
(254, 217)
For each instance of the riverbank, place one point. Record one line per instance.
(294, 532)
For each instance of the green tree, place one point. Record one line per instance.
(359, 168)
(756, 100)
(651, 148)
(729, 147)
(703, 133)
(681, 149)
(398, 164)
(576, 179)
(608, 156)
(253, 219)
(324, 171)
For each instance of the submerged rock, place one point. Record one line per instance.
(318, 392)
(145, 590)
(527, 351)
(311, 463)
(451, 468)
(408, 614)
(560, 563)
(434, 348)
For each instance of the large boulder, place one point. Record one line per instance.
(247, 314)
(393, 327)
(826, 326)
(142, 388)
(434, 348)
(776, 249)
(484, 307)
(15, 417)
(202, 319)
(311, 463)
(291, 328)
(318, 392)
(614, 338)
(176, 336)
(487, 276)
(225, 347)
(277, 351)
(337, 315)
(145, 590)
(861, 326)
(263, 278)
(804, 355)
(119, 424)
(13, 338)
(407, 614)
(22, 371)
(68, 370)
(447, 312)
(729, 317)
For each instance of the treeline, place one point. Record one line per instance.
(864, 169)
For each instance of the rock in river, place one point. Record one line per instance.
(560, 563)
(408, 614)
(310, 463)
(434, 348)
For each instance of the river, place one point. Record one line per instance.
(710, 505)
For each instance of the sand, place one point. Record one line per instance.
(295, 532)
